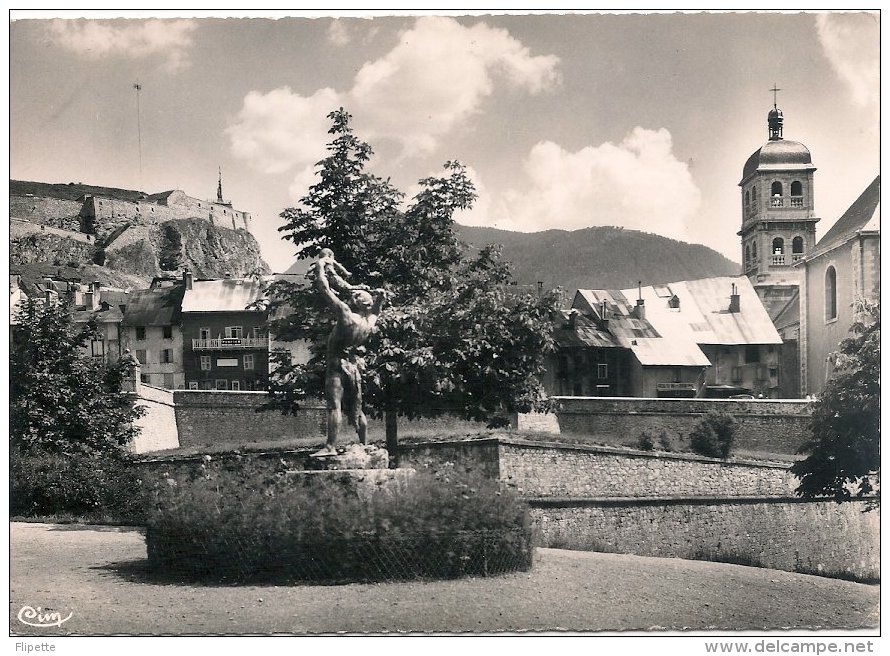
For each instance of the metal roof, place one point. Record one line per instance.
(227, 295)
(154, 307)
(670, 336)
(864, 215)
(584, 333)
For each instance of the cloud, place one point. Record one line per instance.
(96, 39)
(338, 33)
(438, 76)
(430, 83)
(851, 44)
(637, 184)
(280, 130)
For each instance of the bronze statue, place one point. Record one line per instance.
(356, 319)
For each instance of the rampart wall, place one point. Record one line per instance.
(761, 424)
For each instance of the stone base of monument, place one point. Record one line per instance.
(357, 469)
(355, 456)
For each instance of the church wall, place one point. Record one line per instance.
(823, 336)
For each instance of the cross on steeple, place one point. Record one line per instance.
(775, 90)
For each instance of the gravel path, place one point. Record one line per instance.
(98, 574)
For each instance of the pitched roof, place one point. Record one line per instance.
(227, 295)
(650, 346)
(672, 335)
(863, 215)
(584, 332)
(154, 307)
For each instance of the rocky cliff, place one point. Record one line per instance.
(145, 251)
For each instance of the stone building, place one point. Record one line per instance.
(778, 231)
(152, 330)
(100, 211)
(696, 338)
(844, 266)
(102, 306)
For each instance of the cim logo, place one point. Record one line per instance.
(41, 618)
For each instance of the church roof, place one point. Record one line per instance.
(864, 215)
(779, 155)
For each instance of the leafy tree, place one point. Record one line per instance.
(713, 435)
(845, 448)
(61, 401)
(452, 338)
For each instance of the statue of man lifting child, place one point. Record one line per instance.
(356, 319)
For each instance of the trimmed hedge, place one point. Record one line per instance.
(86, 487)
(255, 524)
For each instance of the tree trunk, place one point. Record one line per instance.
(392, 435)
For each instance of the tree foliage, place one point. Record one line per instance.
(844, 450)
(452, 338)
(61, 401)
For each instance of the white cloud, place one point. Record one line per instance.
(431, 82)
(338, 33)
(95, 39)
(437, 77)
(851, 43)
(638, 184)
(280, 130)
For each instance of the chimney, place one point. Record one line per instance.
(540, 288)
(187, 279)
(52, 296)
(604, 314)
(573, 316)
(640, 309)
(89, 301)
(734, 300)
(95, 287)
(75, 298)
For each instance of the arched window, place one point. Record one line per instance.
(778, 246)
(830, 294)
(754, 251)
(754, 194)
(747, 198)
(796, 188)
(776, 189)
(797, 245)
(747, 254)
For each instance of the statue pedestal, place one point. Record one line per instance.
(355, 456)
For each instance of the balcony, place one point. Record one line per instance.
(776, 201)
(797, 201)
(230, 343)
(777, 260)
(796, 257)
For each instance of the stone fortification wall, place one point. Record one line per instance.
(541, 469)
(677, 505)
(209, 417)
(812, 537)
(21, 228)
(55, 212)
(761, 425)
(158, 424)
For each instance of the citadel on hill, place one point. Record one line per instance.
(130, 231)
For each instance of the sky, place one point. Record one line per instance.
(564, 121)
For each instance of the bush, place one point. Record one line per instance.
(646, 442)
(255, 524)
(665, 442)
(87, 487)
(712, 436)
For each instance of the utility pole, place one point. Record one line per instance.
(138, 88)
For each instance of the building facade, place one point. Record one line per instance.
(778, 231)
(225, 338)
(152, 330)
(844, 266)
(696, 338)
